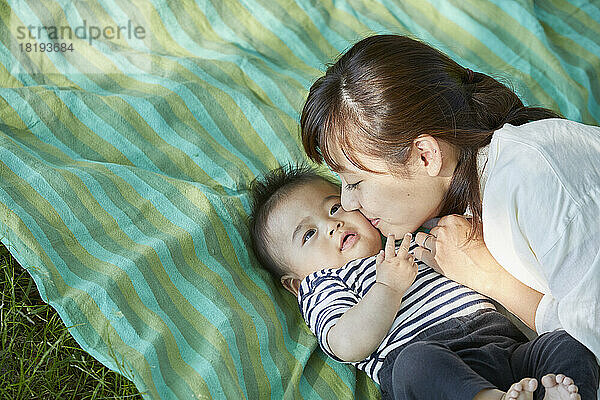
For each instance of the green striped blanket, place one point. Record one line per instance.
(128, 133)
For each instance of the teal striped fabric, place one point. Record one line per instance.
(126, 150)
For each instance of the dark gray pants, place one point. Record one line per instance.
(461, 357)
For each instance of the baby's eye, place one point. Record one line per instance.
(309, 233)
(352, 186)
(334, 209)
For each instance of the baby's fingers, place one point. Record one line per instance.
(390, 247)
(380, 257)
(405, 245)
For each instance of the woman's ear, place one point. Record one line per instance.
(428, 154)
(292, 284)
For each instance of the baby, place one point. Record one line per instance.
(415, 332)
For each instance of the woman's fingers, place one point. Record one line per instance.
(425, 256)
(426, 241)
(420, 238)
(451, 219)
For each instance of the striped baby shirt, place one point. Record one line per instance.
(325, 295)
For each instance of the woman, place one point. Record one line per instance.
(413, 135)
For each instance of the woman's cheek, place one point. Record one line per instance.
(383, 209)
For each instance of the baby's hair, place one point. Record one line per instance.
(266, 192)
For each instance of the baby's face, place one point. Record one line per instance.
(309, 230)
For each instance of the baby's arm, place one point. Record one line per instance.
(362, 328)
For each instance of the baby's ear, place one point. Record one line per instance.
(291, 283)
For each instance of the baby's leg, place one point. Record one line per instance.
(429, 370)
(558, 361)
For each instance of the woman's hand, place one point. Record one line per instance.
(448, 250)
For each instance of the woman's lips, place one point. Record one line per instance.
(374, 221)
(348, 240)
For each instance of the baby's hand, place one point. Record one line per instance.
(397, 271)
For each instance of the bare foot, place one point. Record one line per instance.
(560, 387)
(522, 390)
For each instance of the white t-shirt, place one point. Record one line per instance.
(541, 219)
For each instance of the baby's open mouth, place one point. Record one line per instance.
(348, 240)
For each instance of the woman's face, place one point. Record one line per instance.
(392, 203)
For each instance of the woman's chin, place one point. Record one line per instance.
(397, 230)
(386, 229)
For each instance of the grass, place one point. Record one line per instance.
(38, 357)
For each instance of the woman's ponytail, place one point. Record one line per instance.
(492, 105)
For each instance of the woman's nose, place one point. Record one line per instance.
(335, 226)
(349, 200)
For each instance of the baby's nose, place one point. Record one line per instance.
(337, 226)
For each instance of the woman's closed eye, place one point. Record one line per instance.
(352, 186)
(307, 235)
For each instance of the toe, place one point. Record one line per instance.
(573, 388)
(512, 394)
(560, 378)
(567, 381)
(549, 380)
(526, 385)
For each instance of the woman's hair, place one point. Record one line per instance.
(387, 90)
(266, 193)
